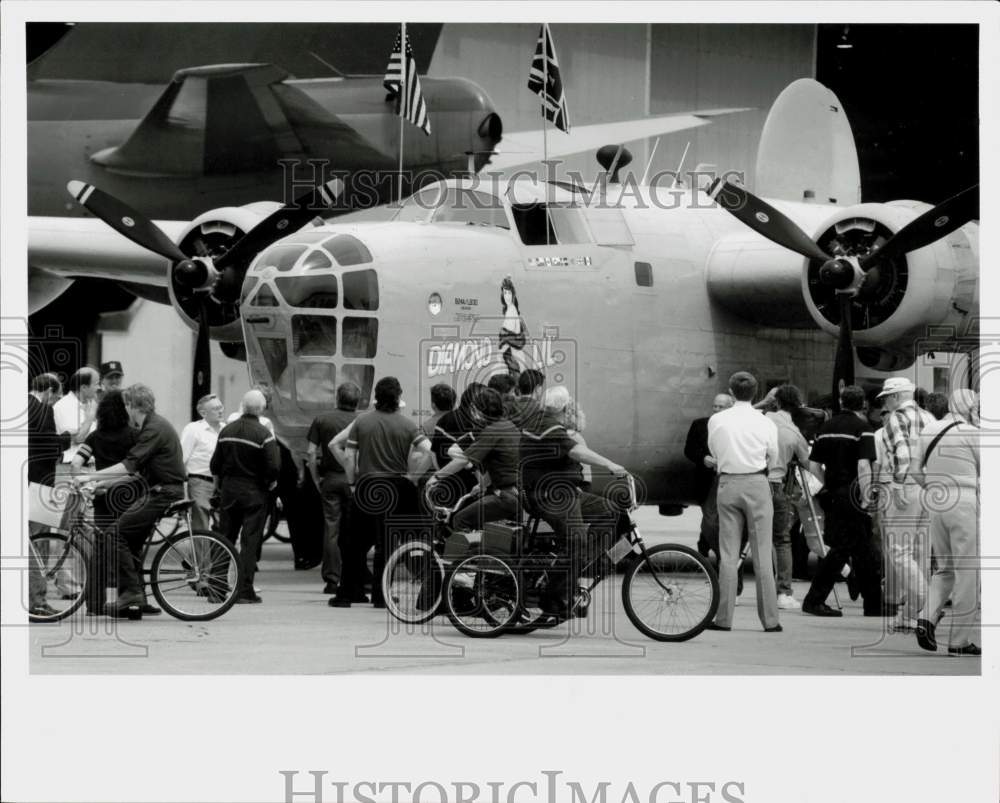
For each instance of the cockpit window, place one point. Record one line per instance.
(463, 205)
(360, 290)
(308, 291)
(360, 337)
(281, 257)
(550, 224)
(314, 335)
(348, 250)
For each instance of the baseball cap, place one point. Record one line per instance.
(112, 368)
(896, 384)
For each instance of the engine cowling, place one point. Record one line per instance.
(211, 234)
(911, 304)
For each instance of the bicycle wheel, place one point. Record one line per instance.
(413, 582)
(481, 596)
(195, 575)
(57, 577)
(672, 594)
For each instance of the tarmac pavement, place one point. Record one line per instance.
(295, 632)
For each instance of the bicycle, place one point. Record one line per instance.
(194, 574)
(669, 591)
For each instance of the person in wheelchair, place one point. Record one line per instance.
(458, 427)
(550, 475)
(495, 451)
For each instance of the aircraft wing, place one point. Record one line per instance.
(526, 147)
(62, 249)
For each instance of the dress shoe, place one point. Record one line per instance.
(251, 599)
(338, 602)
(128, 599)
(968, 649)
(149, 610)
(925, 635)
(821, 609)
(304, 564)
(775, 629)
(714, 626)
(42, 609)
(330, 588)
(853, 589)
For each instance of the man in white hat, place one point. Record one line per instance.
(905, 536)
(948, 466)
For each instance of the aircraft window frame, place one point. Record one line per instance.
(487, 211)
(257, 300)
(309, 292)
(274, 351)
(320, 338)
(352, 294)
(362, 342)
(363, 375)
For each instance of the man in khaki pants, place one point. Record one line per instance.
(947, 466)
(745, 443)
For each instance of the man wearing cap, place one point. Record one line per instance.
(947, 464)
(112, 377)
(905, 518)
(745, 444)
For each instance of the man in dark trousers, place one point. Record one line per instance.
(842, 455)
(706, 478)
(245, 467)
(376, 451)
(156, 459)
(330, 479)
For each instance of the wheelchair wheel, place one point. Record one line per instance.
(413, 582)
(671, 594)
(481, 596)
(61, 566)
(195, 575)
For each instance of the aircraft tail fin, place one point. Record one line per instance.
(807, 150)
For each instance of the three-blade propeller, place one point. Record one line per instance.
(845, 275)
(220, 278)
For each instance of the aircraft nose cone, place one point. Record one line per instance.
(837, 273)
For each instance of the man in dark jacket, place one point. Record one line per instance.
(706, 478)
(245, 467)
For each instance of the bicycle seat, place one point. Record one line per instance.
(178, 507)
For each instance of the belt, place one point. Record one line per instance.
(742, 473)
(201, 477)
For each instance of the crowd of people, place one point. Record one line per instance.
(899, 486)
(899, 490)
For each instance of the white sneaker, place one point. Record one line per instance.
(787, 602)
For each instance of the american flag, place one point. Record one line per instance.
(411, 102)
(545, 80)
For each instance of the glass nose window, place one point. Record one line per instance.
(348, 250)
(264, 298)
(316, 292)
(276, 359)
(315, 385)
(360, 337)
(281, 257)
(360, 290)
(314, 335)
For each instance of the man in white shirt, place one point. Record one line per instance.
(75, 412)
(198, 440)
(745, 444)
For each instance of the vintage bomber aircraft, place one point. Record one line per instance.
(641, 298)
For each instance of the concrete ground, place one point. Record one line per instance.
(295, 632)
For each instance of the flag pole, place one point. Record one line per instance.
(545, 116)
(402, 105)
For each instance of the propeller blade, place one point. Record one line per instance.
(932, 225)
(125, 220)
(282, 221)
(843, 363)
(201, 377)
(764, 219)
